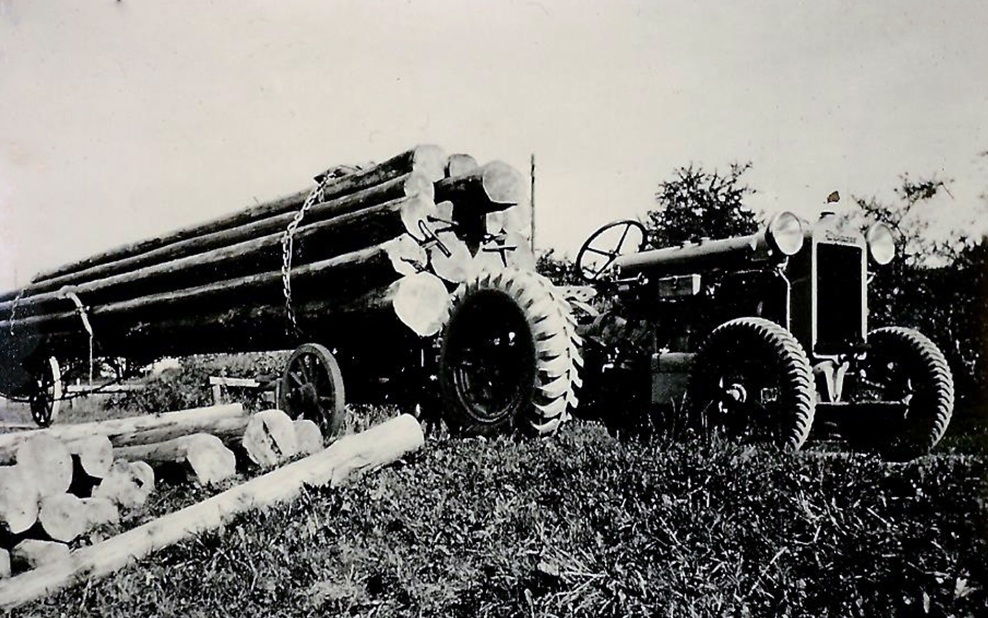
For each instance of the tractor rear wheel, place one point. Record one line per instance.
(510, 356)
(752, 380)
(904, 366)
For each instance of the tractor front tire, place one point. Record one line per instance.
(510, 356)
(752, 380)
(903, 365)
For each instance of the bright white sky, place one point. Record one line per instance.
(122, 120)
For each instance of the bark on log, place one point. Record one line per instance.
(270, 438)
(427, 160)
(45, 463)
(128, 484)
(308, 436)
(460, 165)
(362, 452)
(18, 501)
(312, 242)
(99, 512)
(62, 517)
(202, 456)
(221, 421)
(415, 184)
(31, 554)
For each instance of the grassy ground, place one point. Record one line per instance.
(585, 524)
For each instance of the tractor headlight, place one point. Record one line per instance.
(881, 243)
(785, 233)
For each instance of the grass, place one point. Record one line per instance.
(586, 524)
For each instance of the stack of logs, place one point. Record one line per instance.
(61, 483)
(390, 240)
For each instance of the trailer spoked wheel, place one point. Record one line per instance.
(509, 356)
(46, 394)
(903, 367)
(752, 380)
(312, 387)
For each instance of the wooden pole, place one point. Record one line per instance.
(410, 185)
(363, 452)
(427, 160)
(317, 241)
(217, 420)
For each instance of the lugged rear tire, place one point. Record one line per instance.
(510, 356)
(904, 365)
(751, 359)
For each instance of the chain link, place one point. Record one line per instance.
(288, 241)
(13, 309)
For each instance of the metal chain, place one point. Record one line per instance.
(13, 309)
(288, 247)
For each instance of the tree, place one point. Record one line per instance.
(559, 270)
(697, 204)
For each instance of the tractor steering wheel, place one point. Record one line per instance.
(607, 244)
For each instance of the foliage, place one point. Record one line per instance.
(188, 385)
(939, 287)
(587, 525)
(697, 203)
(560, 270)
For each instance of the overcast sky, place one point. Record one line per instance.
(122, 120)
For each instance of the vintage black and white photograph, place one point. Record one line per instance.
(520, 308)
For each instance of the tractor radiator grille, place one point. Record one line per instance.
(840, 300)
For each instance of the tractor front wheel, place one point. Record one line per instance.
(903, 366)
(752, 380)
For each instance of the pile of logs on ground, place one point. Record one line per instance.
(56, 566)
(60, 483)
(379, 247)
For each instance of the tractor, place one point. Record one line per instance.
(761, 338)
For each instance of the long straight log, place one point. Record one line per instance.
(315, 241)
(428, 160)
(141, 429)
(409, 185)
(363, 452)
(371, 264)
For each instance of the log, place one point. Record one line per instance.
(427, 160)
(92, 455)
(308, 436)
(45, 463)
(222, 421)
(421, 302)
(100, 512)
(492, 187)
(18, 501)
(127, 484)
(362, 267)
(349, 456)
(313, 242)
(63, 517)
(201, 456)
(270, 438)
(451, 258)
(407, 255)
(33, 553)
(4, 564)
(415, 184)
(460, 165)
